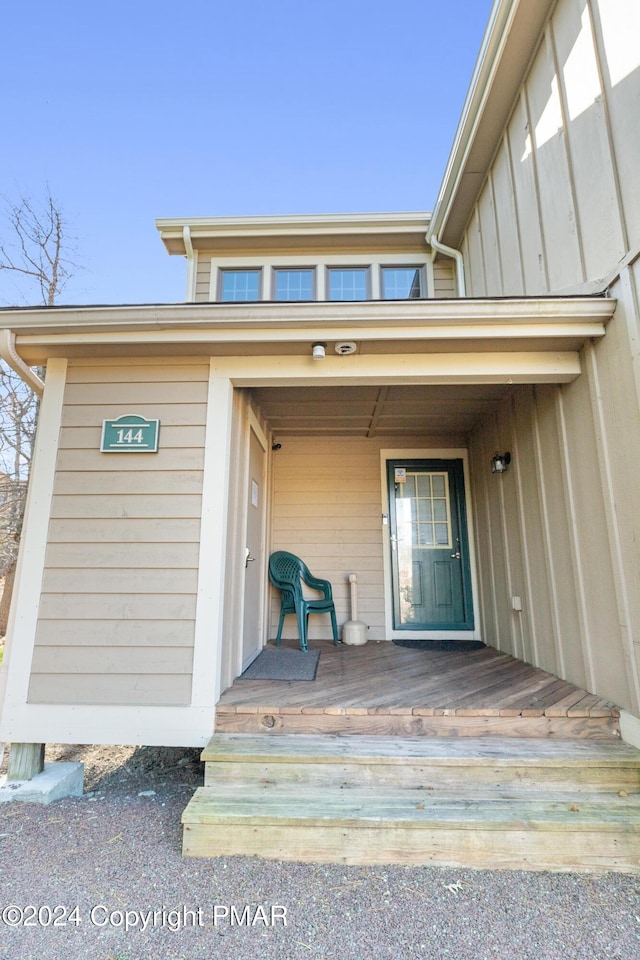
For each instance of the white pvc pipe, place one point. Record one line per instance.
(353, 580)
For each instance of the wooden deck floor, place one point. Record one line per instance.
(384, 688)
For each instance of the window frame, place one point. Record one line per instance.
(346, 268)
(222, 271)
(418, 267)
(275, 270)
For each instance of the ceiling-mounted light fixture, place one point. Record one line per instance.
(500, 462)
(318, 350)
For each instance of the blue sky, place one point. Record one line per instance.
(139, 109)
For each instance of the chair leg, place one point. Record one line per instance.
(303, 618)
(279, 637)
(334, 624)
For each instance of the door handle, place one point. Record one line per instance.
(455, 556)
(248, 558)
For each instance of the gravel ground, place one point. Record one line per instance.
(115, 850)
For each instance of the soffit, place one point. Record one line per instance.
(512, 37)
(370, 411)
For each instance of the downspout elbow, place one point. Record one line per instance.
(457, 256)
(11, 357)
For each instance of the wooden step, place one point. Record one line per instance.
(372, 825)
(425, 763)
(534, 804)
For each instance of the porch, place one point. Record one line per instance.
(381, 689)
(397, 755)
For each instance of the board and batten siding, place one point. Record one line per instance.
(117, 611)
(559, 213)
(327, 509)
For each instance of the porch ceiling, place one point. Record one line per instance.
(368, 411)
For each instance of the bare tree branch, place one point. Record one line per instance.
(34, 251)
(34, 245)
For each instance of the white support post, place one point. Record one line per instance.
(213, 541)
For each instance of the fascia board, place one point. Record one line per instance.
(299, 225)
(586, 312)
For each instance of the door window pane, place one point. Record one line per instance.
(240, 285)
(350, 284)
(439, 489)
(427, 513)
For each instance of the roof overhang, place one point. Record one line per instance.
(512, 36)
(551, 329)
(230, 235)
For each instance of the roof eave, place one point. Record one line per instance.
(510, 41)
(295, 225)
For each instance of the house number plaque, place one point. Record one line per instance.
(130, 434)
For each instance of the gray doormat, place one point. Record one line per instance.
(280, 663)
(452, 645)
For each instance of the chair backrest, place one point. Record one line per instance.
(285, 572)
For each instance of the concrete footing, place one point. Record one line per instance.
(56, 781)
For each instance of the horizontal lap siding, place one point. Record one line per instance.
(117, 611)
(203, 279)
(443, 279)
(327, 509)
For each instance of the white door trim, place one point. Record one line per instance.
(253, 426)
(447, 453)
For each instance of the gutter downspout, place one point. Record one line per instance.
(191, 264)
(10, 356)
(457, 256)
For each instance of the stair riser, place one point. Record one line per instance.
(604, 779)
(418, 726)
(517, 849)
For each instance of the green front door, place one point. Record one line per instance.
(430, 565)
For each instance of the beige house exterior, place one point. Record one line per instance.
(135, 607)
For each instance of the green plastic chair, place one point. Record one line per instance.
(287, 573)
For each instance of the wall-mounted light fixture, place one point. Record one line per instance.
(500, 462)
(318, 350)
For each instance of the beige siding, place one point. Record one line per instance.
(444, 279)
(566, 172)
(561, 528)
(327, 507)
(560, 213)
(117, 610)
(203, 279)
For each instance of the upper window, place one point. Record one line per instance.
(401, 283)
(240, 285)
(294, 285)
(349, 284)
